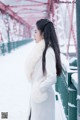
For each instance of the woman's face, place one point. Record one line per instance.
(37, 34)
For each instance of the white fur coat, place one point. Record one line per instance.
(42, 102)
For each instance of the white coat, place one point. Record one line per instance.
(42, 100)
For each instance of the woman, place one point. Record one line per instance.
(42, 68)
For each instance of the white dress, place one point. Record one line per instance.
(42, 100)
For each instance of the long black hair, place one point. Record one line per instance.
(47, 28)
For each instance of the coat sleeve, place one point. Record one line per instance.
(51, 72)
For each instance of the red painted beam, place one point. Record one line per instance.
(2, 6)
(48, 5)
(48, 8)
(35, 1)
(6, 9)
(52, 7)
(71, 26)
(31, 11)
(22, 10)
(19, 6)
(56, 1)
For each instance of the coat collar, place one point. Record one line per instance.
(35, 55)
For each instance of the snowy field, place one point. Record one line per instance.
(14, 88)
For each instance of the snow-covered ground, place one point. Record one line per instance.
(14, 88)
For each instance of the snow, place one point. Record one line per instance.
(74, 79)
(78, 97)
(70, 89)
(14, 89)
(71, 105)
